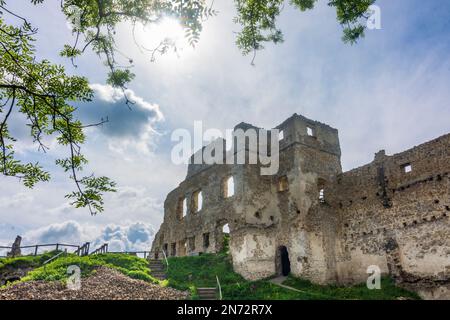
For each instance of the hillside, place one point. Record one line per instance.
(106, 273)
(200, 271)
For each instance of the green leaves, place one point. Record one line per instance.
(96, 22)
(258, 20)
(70, 52)
(352, 34)
(119, 78)
(41, 92)
(91, 194)
(352, 15)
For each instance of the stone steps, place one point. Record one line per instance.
(207, 293)
(157, 269)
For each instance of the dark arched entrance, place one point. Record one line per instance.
(283, 263)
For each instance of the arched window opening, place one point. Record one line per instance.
(197, 204)
(184, 207)
(283, 184)
(229, 187)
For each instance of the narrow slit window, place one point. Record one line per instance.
(229, 187)
(199, 201)
(184, 207)
(310, 131)
(281, 135)
(321, 196)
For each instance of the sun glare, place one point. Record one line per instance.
(151, 36)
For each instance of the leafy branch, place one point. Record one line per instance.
(41, 91)
(258, 19)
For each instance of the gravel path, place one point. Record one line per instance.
(105, 284)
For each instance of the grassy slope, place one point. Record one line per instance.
(194, 272)
(25, 261)
(129, 265)
(388, 290)
(189, 273)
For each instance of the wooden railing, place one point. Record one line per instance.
(35, 252)
(83, 250)
(103, 249)
(134, 253)
(80, 250)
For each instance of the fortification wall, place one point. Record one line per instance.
(394, 213)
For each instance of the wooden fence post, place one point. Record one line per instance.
(36, 250)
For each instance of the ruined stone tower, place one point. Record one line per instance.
(313, 220)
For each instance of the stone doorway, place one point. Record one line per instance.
(283, 265)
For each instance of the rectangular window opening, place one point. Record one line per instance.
(283, 184)
(281, 135)
(197, 203)
(407, 168)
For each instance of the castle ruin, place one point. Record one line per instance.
(315, 221)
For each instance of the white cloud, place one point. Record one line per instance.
(136, 236)
(112, 95)
(128, 130)
(388, 91)
(16, 200)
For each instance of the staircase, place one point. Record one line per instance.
(157, 269)
(207, 293)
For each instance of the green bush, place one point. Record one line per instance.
(26, 261)
(129, 265)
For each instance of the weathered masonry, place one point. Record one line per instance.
(315, 221)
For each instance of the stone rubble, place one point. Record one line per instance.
(104, 284)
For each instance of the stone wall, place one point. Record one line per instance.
(395, 219)
(393, 212)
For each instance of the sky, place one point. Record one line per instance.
(390, 91)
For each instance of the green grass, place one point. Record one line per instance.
(189, 273)
(129, 265)
(388, 290)
(25, 261)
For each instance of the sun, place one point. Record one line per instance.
(168, 31)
